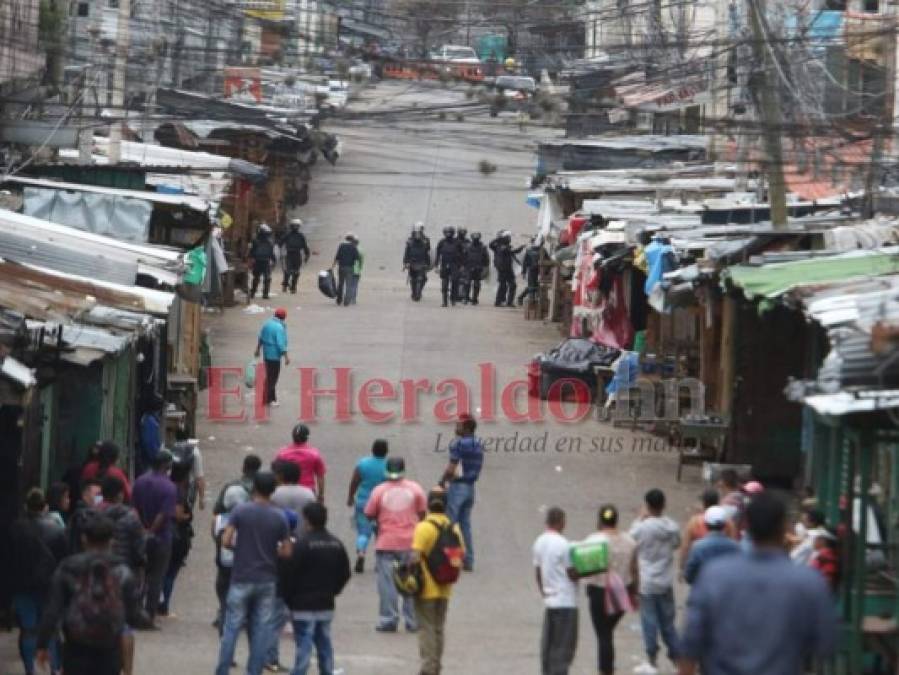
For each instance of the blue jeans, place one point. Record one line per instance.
(313, 632)
(254, 604)
(364, 528)
(29, 607)
(459, 502)
(280, 617)
(657, 615)
(388, 612)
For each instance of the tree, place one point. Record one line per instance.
(427, 19)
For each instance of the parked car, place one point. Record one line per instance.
(515, 93)
(337, 94)
(455, 54)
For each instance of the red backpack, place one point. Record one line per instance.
(446, 555)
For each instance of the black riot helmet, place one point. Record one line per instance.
(449, 231)
(476, 236)
(462, 232)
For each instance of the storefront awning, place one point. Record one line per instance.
(773, 280)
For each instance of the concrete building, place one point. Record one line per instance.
(21, 56)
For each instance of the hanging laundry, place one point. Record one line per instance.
(660, 258)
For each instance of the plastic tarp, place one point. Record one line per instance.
(111, 215)
(775, 279)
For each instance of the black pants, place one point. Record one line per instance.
(159, 554)
(604, 626)
(474, 285)
(263, 269)
(272, 372)
(82, 660)
(222, 583)
(417, 279)
(449, 284)
(559, 641)
(505, 291)
(343, 277)
(291, 275)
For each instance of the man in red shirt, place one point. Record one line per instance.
(105, 465)
(308, 458)
(396, 505)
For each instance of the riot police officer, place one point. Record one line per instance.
(262, 260)
(296, 252)
(476, 262)
(417, 260)
(530, 270)
(448, 259)
(504, 261)
(464, 281)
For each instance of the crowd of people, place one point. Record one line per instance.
(463, 262)
(96, 563)
(760, 599)
(97, 557)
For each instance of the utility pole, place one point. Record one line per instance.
(120, 68)
(771, 117)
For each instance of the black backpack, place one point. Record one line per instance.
(95, 616)
(445, 558)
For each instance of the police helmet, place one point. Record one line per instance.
(449, 231)
(296, 224)
(476, 236)
(264, 229)
(462, 232)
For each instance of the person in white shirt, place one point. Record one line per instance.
(556, 583)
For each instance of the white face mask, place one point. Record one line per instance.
(800, 530)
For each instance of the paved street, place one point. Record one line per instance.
(394, 172)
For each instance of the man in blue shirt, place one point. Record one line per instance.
(466, 460)
(713, 545)
(369, 473)
(272, 345)
(758, 612)
(150, 433)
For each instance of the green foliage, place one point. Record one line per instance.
(51, 22)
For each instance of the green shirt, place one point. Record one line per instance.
(357, 266)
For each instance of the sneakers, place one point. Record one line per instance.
(646, 668)
(385, 629)
(360, 564)
(275, 404)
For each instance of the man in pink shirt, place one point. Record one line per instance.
(396, 505)
(309, 459)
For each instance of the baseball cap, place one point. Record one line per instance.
(281, 313)
(396, 468)
(715, 516)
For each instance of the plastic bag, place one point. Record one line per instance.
(326, 284)
(249, 374)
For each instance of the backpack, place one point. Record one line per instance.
(184, 456)
(33, 561)
(445, 558)
(96, 613)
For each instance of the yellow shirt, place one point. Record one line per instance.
(423, 541)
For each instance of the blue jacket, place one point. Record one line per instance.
(711, 546)
(273, 338)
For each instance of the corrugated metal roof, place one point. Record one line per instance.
(65, 249)
(643, 143)
(187, 201)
